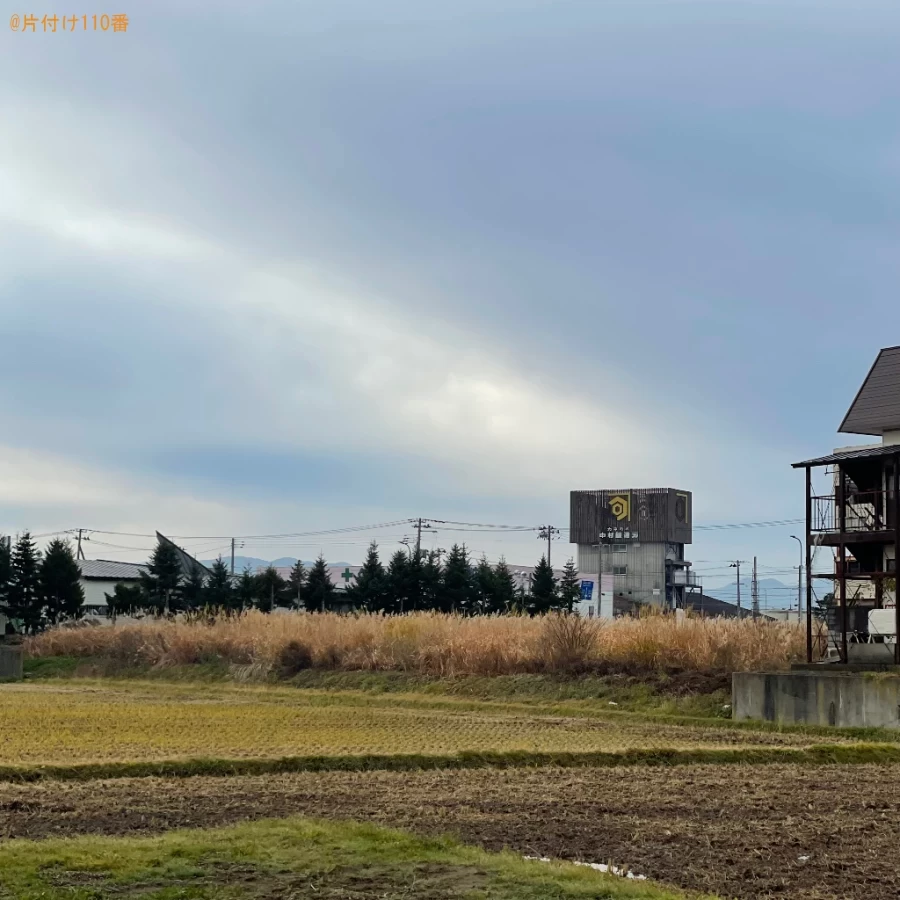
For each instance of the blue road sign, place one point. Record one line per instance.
(587, 590)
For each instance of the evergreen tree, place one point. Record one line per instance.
(318, 592)
(24, 600)
(569, 587)
(432, 581)
(485, 586)
(414, 597)
(60, 580)
(504, 599)
(218, 592)
(193, 593)
(125, 600)
(5, 570)
(296, 580)
(459, 594)
(543, 588)
(368, 588)
(161, 583)
(245, 593)
(269, 589)
(396, 581)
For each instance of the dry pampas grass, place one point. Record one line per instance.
(437, 644)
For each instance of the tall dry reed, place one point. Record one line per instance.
(437, 644)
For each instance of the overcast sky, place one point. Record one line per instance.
(277, 267)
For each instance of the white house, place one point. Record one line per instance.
(99, 577)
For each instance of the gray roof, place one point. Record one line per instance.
(881, 450)
(876, 407)
(110, 570)
(712, 606)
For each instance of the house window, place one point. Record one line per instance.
(620, 570)
(620, 548)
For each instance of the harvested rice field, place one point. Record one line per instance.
(266, 758)
(64, 723)
(819, 833)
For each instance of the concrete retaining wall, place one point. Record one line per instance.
(11, 657)
(818, 698)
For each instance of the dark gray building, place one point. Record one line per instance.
(858, 521)
(638, 536)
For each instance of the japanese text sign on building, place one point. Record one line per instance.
(612, 534)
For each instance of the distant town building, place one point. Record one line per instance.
(637, 536)
(99, 577)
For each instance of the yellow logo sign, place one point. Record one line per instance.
(620, 506)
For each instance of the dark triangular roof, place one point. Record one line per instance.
(876, 408)
(189, 565)
(712, 606)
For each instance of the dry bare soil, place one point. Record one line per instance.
(819, 833)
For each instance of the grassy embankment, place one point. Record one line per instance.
(705, 695)
(294, 858)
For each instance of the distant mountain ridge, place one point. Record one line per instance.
(773, 594)
(254, 562)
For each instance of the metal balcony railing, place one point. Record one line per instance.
(681, 578)
(854, 567)
(864, 511)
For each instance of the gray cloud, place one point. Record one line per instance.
(467, 254)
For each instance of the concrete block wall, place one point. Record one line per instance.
(11, 659)
(864, 700)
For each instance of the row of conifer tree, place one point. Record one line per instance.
(411, 581)
(39, 589)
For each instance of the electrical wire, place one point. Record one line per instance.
(245, 537)
(446, 525)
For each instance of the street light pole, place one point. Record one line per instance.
(799, 579)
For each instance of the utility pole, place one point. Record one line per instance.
(420, 523)
(799, 580)
(80, 553)
(600, 578)
(737, 565)
(232, 556)
(545, 533)
(754, 591)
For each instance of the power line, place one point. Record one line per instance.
(773, 524)
(446, 525)
(245, 537)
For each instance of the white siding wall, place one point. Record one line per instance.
(95, 590)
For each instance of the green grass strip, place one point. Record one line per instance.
(295, 858)
(822, 754)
